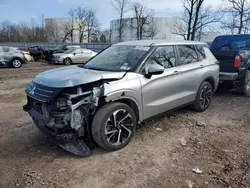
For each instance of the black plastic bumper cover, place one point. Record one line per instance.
(67, 141)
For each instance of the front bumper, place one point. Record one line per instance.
(57, 61)
(4, 64)
(68, 141)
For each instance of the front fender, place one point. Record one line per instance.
(126, 94)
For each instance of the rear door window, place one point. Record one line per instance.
(187, 54)
(78, 51)
(164, 56)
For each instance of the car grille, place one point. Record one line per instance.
(42, 93)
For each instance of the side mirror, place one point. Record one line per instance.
(74, 53)
(154, 69)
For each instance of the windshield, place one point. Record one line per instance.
(69, 51)
(118, 58)
(59, 47)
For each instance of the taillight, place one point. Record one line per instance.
(237, 61)
(217, 62)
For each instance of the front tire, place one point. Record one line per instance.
(16, 63)
(113, 126)
(203, 98)
(67, 61)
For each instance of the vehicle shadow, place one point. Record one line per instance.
(38, 145)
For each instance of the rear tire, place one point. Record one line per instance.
(16, 63)
(67, 61)
(113, 126)
(203, 98)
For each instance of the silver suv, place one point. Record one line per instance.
(126, 84)
(11, 57)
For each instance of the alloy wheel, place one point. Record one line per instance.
(205, 96)
(67, 62)
(16, 63)
(119, 127)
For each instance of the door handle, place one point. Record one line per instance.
(175, 72)
(201, 66)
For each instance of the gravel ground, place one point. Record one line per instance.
(162, 153)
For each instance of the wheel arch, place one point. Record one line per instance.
(132, 104)
(125, 100)
(67, 58)
(13, 58)
(210, 80)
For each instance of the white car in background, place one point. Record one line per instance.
(71, 56)
(26, 54)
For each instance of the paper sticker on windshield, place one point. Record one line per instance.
(125, 67)
(144, 48)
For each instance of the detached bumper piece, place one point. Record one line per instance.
(68, 141)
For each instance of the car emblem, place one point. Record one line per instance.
(32, 91)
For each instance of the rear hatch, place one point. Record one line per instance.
(226, 59)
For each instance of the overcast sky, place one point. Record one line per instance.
(24, 10)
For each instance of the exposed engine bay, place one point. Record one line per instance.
(65, 114)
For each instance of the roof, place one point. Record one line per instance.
(234, 35)
(159, 42)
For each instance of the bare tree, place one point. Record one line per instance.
(191, 16)
(52, 30)
(121, 8)
(79, 15)
(86, 21)
(68, 28)
(207, 17)
(92, 24)
(105, 36)
(143, 17)
(152, 30)
(196, 18)
(178, 28)
(239, 13)
(23, 32)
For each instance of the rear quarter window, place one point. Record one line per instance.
(187, 54)
(201, 52)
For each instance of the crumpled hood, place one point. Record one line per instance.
(73, 76)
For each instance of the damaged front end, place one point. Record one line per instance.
(65, 114)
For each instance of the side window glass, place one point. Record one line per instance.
(87, 52)
(164, 56)
(5, 49)
(187, 54)
(201, 52)
(78, 51)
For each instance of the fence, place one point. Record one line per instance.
(47, 45)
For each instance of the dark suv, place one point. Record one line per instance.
(48, 54)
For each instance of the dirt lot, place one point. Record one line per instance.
(162, 153)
